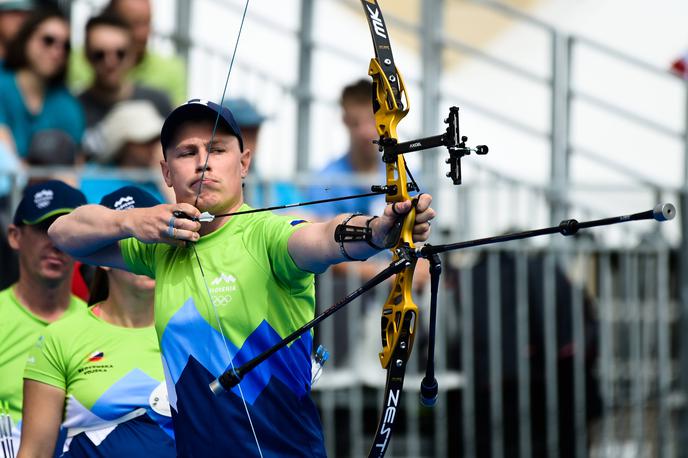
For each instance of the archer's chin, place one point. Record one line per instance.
(209, 203)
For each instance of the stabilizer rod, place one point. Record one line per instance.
(661, 212)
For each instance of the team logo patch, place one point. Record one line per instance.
(222, 287)
(43, 198)
(96, 356)
(125, 203)
(222, 278)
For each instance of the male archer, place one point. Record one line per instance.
(227, 289)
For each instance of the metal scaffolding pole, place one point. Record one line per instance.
(182, 37)
(431, 41)
(683, 288)
(303, 88)
(559, 167)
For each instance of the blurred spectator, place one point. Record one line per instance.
(49, 148)
(151, 69)
(10, 169)
(109, 52)
(10, 175)
(32, 92)
(249, 120)
(13, 13)
(128, 138)
(362, 158)
(42, 293)
(266, 193)
(52, 147)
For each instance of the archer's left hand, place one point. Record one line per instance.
(421, 228)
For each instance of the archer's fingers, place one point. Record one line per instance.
(421, 232)
(180, 229)
(180, 238)
(421, 228)
(423, 202)
(188, 209)
(397, 209)
(181, 234)
(186, 225)
(425, 216)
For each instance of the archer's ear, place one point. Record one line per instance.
(245, 160)
(165, 168)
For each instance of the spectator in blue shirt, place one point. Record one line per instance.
(362, 158)
(33, 96)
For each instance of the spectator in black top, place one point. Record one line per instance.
(109, 51)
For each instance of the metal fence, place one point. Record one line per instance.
(540, 353)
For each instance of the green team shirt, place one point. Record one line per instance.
(110, 374)
(260, 296)
(19, 330)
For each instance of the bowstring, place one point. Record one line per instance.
(198, 195)
(222, 100)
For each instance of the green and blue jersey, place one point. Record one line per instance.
(19, 330)
(115, 394)
(259, 296)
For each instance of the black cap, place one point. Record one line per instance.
(129, 197)
(198, 110)
(45, 200)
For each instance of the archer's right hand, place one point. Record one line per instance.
(159, 224)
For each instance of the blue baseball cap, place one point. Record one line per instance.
(47, 199)
(128, 197)
(244, 112)
(199, 110)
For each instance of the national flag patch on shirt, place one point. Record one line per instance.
(96, 356)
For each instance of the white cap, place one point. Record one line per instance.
(129, 121)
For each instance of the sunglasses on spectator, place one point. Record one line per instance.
(49, 41)
(98, 55)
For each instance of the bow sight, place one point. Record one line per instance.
(451, 139)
